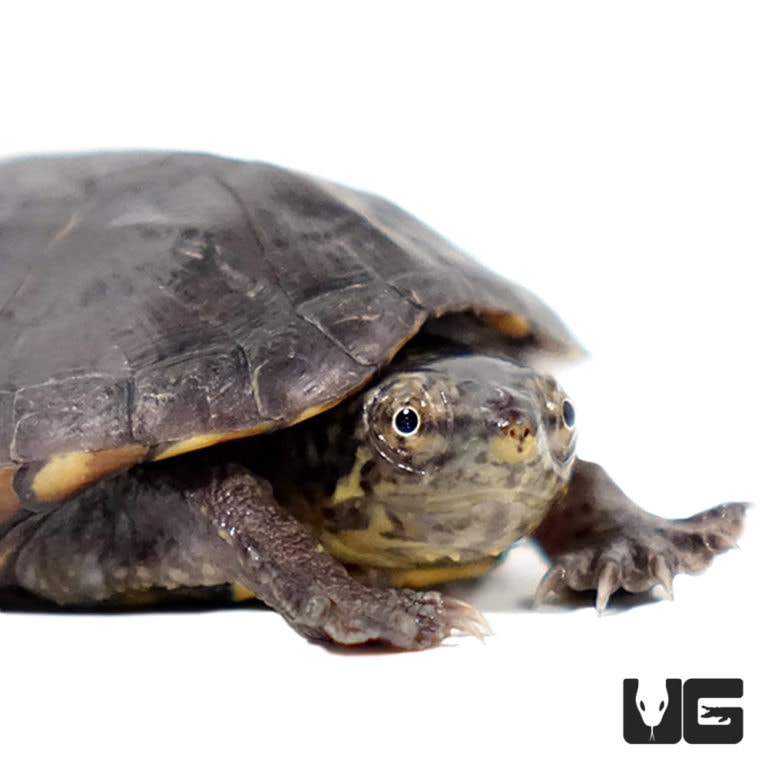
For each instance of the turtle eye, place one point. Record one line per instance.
(406, 422)
(569, 414)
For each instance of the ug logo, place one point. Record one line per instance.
(702, 711)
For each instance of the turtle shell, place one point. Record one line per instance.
(152, 304)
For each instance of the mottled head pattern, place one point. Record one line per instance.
(455, 458)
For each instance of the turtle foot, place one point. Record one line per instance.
(280, 562)
(599, 540)
(640, 559)
(401, 618)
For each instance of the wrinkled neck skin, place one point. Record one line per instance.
(434, 471)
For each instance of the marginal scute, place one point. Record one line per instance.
(9, 501)
(514, 326)
(65, 474)
(314, 410)
(198, 442)
(206, 440)
(177, 301)
(240, 593)
(74, 414)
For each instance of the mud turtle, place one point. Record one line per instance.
(225, 376)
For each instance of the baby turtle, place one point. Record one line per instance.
(225, 376)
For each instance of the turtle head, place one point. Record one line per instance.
(456, 458)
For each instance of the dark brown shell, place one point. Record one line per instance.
(151, 304)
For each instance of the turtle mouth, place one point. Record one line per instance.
(476, 500)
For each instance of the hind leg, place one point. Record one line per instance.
(120, 541)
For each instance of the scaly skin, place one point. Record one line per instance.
(489, 453)
(188, 523)
(484, 455)
(599, 539)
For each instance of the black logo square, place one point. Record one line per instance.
(653, 711)
(658, 711)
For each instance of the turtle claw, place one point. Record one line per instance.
(606, 573)
(434, 618)
(551, 583)
(607, 583)
(465, 619)
(598, 539)
(400, 618)
(575, 572)
(635, 560)
(662, 574)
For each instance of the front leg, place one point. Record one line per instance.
(186, 523)
(277, 559)
(599, 539)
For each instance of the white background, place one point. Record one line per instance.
(610, 156)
